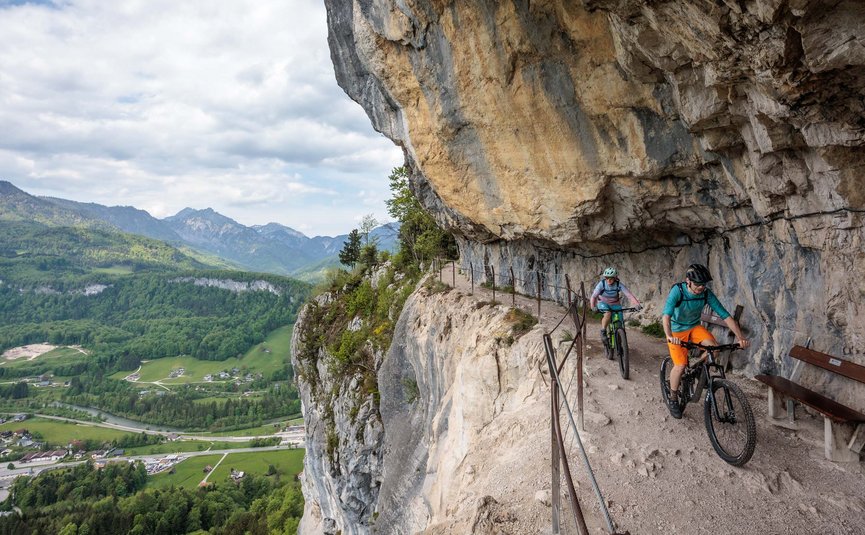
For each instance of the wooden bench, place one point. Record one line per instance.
(709, 317)
(844, 432)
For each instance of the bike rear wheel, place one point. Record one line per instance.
(622, 352)
(730, 422)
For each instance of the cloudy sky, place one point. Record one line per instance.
(161, 105)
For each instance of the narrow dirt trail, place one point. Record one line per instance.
(661, 475)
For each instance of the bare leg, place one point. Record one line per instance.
(675, 376)
(606, 320)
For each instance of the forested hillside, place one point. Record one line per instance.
(125, 299)
(35, 254)
(114, 501)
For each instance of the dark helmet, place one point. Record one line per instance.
(698, 273)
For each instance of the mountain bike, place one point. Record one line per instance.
(726, 411)
(616, 341)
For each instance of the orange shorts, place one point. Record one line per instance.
(697, 335)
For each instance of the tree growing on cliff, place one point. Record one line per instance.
(351, 249)
(367, 225)
(420, 238)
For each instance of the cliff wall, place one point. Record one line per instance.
(556, 135)
(463, 416)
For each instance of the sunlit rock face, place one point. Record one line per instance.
(642, 134)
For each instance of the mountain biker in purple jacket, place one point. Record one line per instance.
(606, 297)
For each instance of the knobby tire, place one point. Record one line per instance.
(622, 352)
(743, 431)
(608, 345)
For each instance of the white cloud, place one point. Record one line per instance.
(163, 105)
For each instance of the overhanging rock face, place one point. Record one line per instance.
(641, 134)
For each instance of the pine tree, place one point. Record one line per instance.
(351, 249)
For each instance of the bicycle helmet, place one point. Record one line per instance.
(610, 272)
(698, 273)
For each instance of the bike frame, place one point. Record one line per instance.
(616, 320)
(705, 369)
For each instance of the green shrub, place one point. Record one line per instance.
(653, 329)
(521, 321)
(435, 286)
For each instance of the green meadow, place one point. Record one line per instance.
(184, 446)
(60, 433)
(116, 269)
(187, 474)
(265, 358)
(286, 462)
(249, 432)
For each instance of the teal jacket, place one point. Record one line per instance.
(685, 308)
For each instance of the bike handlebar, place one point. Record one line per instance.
(722, 347)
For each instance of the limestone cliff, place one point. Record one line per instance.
(463, 402)
(566, 136)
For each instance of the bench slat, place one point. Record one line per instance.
(828, 362)
(830, 408)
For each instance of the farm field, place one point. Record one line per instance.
(57, 432)
(116, 269)
(188, 474)
(248, 432)
(67, 354)
(287, 462)
(183, 446)
(265, 358)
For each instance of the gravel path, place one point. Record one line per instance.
(661, 475)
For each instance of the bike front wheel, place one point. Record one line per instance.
(730, 422)
(622, 352)
(666, 368)
(609, 343)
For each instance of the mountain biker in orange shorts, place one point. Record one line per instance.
(681, 320)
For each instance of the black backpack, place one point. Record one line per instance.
(704, 297)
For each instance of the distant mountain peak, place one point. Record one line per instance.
(276, 228)
(7, 188)
(208, 214)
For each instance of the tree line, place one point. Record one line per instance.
(180, 409)
(150, 316)
(113, 501)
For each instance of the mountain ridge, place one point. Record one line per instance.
(270, 248)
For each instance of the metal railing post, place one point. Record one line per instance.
(579, 520)
(555, 477)
(472, 272)
(580, 423)
(493, 271)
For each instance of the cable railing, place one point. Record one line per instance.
(540, 285)
(566, 384)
